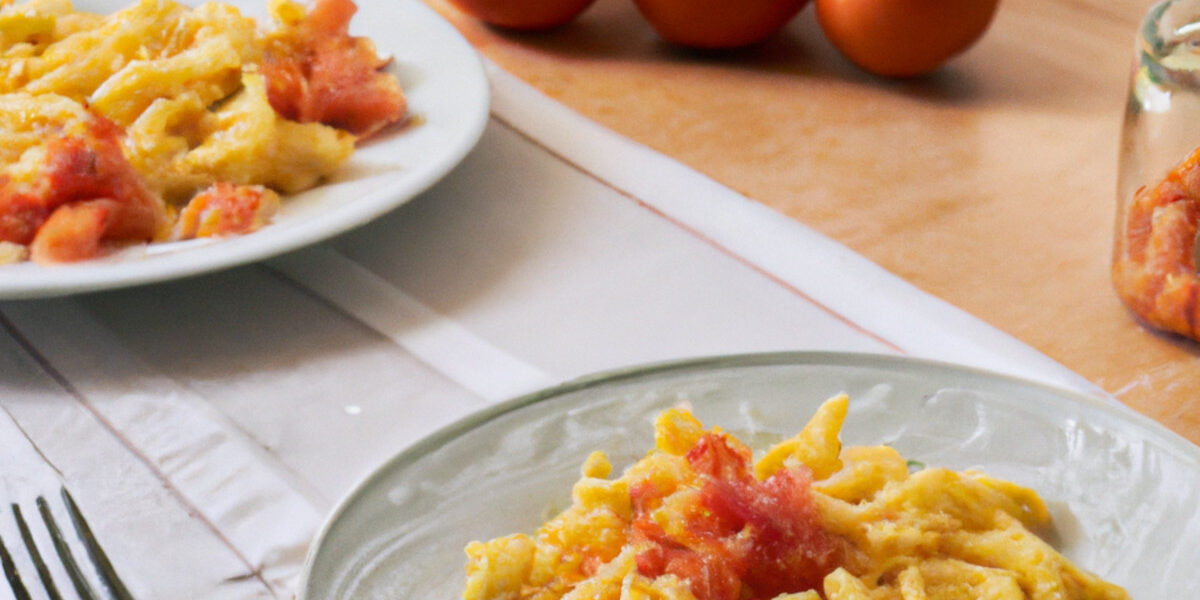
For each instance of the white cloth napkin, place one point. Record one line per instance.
(207, 426)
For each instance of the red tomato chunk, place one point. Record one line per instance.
(320, 73)
(86, 198)
(744, 538)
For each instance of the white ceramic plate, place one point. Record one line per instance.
(447, 91)
(1122, 489)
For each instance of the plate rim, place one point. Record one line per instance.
(242, 250)
(1169, 439)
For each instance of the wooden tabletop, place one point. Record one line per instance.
(989, 184)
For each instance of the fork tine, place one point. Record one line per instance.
(82, 588)
(104, 566)
(11, 574)
(38, 564)
(102, 569)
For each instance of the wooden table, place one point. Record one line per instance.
(989, 184)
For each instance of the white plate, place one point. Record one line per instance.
(447, 89)
(1122, 489)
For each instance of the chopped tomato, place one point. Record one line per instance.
(226, 209)
(318, 72)
(22, 212)
(744, 538)
(1154, 262)
(75, 231)
(87, 179)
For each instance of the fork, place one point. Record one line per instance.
(49, 540)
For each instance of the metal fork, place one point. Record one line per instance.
(48, 540)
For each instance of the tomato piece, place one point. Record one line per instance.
(524, 15)
(74, 232)
(22, 211)
(317, 72)
(717, 458)
(86, 196)
(903, 38)
(741, 536)
(226, 209)
(717, 24)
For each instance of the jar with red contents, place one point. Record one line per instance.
(1158, 187)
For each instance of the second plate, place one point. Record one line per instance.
(448, 95)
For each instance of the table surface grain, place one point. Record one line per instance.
(989, 183)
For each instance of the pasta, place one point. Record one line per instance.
(811, 520)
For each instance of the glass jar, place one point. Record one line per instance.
(1158, 183)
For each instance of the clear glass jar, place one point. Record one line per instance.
(1158, 183)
